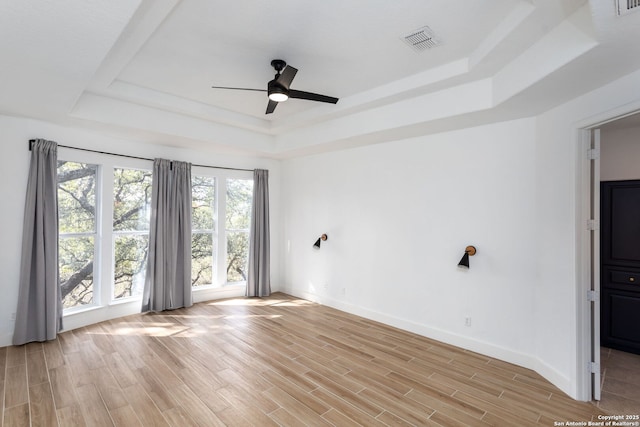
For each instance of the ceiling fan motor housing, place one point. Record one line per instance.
(278, 89)
(273, 87)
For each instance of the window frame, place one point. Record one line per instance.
(228, 231)
(213, 232)
(104, 268)
(97, 283)
(117, 233)
(221, 176)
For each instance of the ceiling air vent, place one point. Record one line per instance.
(423, 38)
(627, 6)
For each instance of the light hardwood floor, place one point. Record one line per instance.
(274, 361)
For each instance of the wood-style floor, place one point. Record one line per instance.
(275, 361)
(620, 379)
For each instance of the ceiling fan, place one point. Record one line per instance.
(278, 88)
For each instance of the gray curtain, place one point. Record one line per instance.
(168, 280)
(39, 312)
(259, 280)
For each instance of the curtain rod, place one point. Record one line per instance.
(31, 141)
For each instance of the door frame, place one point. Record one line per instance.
(585, 333)
(587, 272)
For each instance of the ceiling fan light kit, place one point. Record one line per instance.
(277, 93)
(278, 89)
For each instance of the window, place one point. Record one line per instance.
(131, 212)
(203, 230)
(213, 198)
(237, 223)
(104, 205)
(77, 228)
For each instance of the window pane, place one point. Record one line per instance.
(237, 223)
(131, 212)
(130, 256)
(201, 259)
(239, 196)
(75, 261)
(76, 197)
(131, 199)
(203, 190)
(237, 256)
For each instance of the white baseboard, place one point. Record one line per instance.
(556, 378)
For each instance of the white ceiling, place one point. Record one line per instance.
(339, 49)
(145, 68)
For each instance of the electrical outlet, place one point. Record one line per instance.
(344, 291)
(467, 321)
(13, 316)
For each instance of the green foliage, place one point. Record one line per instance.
(77, 197)
(130, 255)
(239, 197)
(203, 198)
(77, 226)
(238, 221)
(75, 260)
(131, 216)
(203, 214)
(237, 255)
(202, 257)
(131, 199)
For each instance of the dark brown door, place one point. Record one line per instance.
(620, 265)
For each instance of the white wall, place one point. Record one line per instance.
(14, 136)
(620, 150)
(399, 216)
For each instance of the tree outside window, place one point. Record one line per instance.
(81, 204)
(77, 225)
(203, 230)
(237, 224)
(131, 215)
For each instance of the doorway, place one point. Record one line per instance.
(617, 161)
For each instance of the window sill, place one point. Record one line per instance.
(82, 310)
(127, 300)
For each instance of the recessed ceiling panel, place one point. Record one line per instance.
(340, 49)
